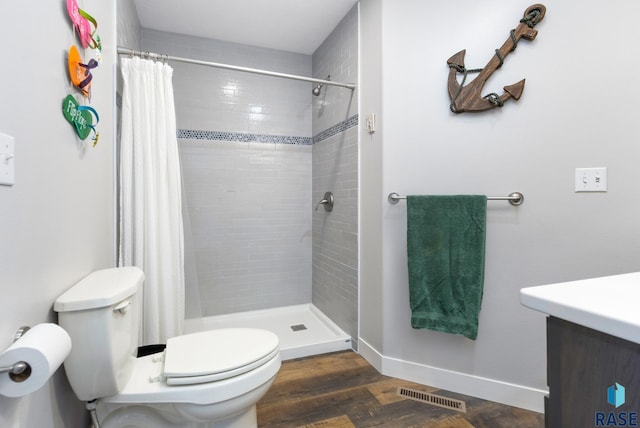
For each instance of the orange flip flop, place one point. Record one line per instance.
(80, 73)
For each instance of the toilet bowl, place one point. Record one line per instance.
(207, 377)
(201, 380)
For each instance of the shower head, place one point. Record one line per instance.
(316, 90)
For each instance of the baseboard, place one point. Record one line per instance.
(370, 354)
(462, 383)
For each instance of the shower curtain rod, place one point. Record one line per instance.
(151, 55)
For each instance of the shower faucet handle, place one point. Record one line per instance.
(327, 201)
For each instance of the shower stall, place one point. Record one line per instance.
(258, 153)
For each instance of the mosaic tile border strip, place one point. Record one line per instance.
(336, 129)
(194, 134)
(240, 137)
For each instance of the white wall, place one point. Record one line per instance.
(576, 111)
(57, 220)
(371, 317)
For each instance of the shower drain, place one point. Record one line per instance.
(436, 400)
(298, 327)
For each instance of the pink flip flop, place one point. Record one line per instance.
(82, 21)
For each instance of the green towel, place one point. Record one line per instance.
(445, 248)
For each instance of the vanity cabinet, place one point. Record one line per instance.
(582, 364)
(593, 350)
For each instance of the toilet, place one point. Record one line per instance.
(209, 379)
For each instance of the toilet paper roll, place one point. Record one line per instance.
(44, 348)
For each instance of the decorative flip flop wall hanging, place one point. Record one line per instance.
(82, 23)
(83, 118)
(468, 98)
(80, 73)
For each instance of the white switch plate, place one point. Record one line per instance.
(371, 123)
(591, 179)
(7, 160)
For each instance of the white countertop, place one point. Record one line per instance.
(609, 304)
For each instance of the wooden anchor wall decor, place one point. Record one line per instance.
(468, 98)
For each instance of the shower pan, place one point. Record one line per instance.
(303, 330)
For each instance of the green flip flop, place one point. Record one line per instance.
(81, 117)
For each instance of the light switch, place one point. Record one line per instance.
(371, 123)
(591, 179)
(7, 160)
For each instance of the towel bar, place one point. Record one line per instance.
(515, 198)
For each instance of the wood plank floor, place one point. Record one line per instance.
(341, 390)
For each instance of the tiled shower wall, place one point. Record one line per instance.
(248, 166)
(245, 144)
(335, 169)
(250, 214)
(213, 99)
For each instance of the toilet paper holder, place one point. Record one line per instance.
(19, 371)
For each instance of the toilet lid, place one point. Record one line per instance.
(214, 355)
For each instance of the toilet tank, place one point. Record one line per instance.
(101, 313)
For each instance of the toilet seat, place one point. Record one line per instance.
(215, 355)
(147, 384)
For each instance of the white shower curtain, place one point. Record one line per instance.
(151, 229)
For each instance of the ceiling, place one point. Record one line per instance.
(290, 25)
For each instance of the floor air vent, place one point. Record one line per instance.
(436, 400)
(298, 327)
